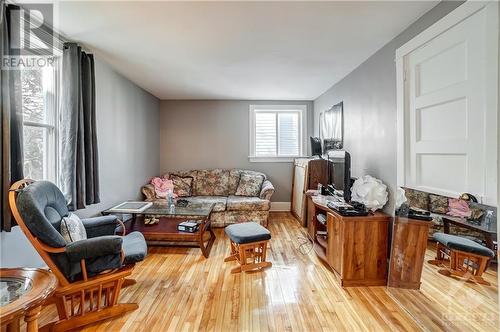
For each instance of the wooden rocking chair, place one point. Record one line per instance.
(91, 272)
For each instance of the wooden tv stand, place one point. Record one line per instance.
(355, 248)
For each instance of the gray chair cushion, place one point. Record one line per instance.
(94, 247)
(463, 244)
(102, 225)
(42, 207)
(134, 247)
(247, 232)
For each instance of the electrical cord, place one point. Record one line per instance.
(304, 246)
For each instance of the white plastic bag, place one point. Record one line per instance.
(369, 191)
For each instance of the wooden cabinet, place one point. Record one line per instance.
(409, 242)
(356, 247)
(335, 236)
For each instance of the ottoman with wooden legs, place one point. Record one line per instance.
(248, 246)
(466, 258)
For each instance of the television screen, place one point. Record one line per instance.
(316, 146)
(339, 173)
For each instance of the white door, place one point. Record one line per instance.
(446, 112)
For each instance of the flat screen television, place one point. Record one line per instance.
(339, 173)
(316, 146)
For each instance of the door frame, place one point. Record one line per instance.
(455, 17)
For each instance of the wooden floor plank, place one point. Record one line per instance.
(179, 290)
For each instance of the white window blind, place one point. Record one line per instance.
(289, 135)
(276, 131)
(265, 134)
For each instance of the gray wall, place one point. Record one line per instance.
(128, 139)
(369, 95)
(197, 134)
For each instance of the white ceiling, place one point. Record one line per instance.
(236, 50)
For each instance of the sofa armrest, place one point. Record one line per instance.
(94, 247)
(100, 226)
(149, 192)
(267, 190)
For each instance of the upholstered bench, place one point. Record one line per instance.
(466, 258)
(248, 246)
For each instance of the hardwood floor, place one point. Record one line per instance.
(179, 290)
(450, 304)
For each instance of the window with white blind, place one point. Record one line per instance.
(277, 132)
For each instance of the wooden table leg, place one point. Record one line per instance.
(14, 325)
(206, 249)
(31, 319)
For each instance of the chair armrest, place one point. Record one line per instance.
(267, 190)
(149, 192)
(100, 226)
(94, 247)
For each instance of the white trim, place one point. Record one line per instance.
(458, 15)
(281, 206)
(401, 140)
(272, 159)
(302, 110)
(455, 17)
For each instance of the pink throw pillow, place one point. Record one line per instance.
(458, 208)
(162, 186)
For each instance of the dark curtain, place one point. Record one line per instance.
(11, 135)
(79, 172)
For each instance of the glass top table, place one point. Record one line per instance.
(12, 288)
(159, 223)
(192, 209)
(201, 210)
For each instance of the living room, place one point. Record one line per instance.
(249, 165)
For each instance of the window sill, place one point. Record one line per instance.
(272, 159)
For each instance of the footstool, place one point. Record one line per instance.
(466, 258)
(248, 246)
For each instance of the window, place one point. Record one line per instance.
(39, 102)
(277, 132)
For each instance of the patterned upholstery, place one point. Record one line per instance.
(219, 186)
(212, 183)
(250, 185)
(220, 201)
(243, 203)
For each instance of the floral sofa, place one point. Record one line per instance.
(222, 187)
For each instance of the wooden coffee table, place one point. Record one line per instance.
(165, 232)
(22, 293)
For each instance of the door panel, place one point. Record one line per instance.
(445, 81)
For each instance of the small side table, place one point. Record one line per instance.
(22, 293)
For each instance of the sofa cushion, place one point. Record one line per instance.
(249, 185)
(234, 180)
(220, 201)
(243, 203)
(214, 182)
(182, 185)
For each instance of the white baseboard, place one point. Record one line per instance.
(281, 206)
